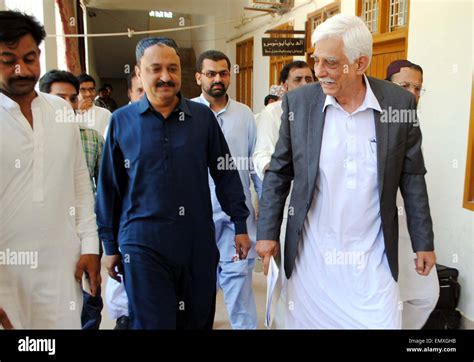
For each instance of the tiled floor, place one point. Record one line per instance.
(221, 321)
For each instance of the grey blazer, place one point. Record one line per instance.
(296, 158)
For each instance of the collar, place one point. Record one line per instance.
(9, 103)
(203, 100)
(370, 101)
(145, 105)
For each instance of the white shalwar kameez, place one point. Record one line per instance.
(46, 210)
(419, 293)
(341, 278)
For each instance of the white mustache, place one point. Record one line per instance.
(326, 80)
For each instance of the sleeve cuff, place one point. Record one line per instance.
(240, 227)
(110, 247)
(90, 245)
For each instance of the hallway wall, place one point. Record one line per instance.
(446, 55)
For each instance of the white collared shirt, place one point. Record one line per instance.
(267, 136)
(97, 118)
(47, 212)
(44, 183)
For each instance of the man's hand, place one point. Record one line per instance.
(242, 245)
(114, 266)
(266, 167)
(424, 261)
(89, 263)
(85, 104)
(266, 249)
(4, 320)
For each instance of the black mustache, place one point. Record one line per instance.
(165, 84)
(20, 79)
(221, 84)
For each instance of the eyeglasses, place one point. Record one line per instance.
(211, 74)
(416, 87)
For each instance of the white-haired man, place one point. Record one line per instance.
(347, 160)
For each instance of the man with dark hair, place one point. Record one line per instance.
(105, 98)
(95, 117)
(296, 74)
(65, 85)
(213, 55)
(153, 199)
(234, 274)
(293, 75)
(418, 293)
(407, 75)
(47, 202)
(270, 98)
(135, 89)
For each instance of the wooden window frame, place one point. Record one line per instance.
(334, 6)
(247, 64)
(279, 59)
(383, 39)
(468, 202)
(384, 21)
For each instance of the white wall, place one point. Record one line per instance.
(203, 38)
(441, 41)
(50, 43)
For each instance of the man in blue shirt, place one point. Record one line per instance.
(238, 125)
(154, 202)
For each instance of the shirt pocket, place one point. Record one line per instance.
(370, 159)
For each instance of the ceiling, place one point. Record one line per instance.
(224, 9)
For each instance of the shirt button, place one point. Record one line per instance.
(166, 139)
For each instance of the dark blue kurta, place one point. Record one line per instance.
(153, 188)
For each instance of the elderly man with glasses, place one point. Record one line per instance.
(419, 294)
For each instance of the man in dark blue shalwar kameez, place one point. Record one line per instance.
(153, 198)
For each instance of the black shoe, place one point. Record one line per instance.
(123, 322)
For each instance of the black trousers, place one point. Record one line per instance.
(165, 295)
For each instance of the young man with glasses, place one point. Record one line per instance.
(234, 274)
(97, 117)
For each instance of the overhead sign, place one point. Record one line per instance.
(283, 46)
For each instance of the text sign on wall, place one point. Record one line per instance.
(283, 46)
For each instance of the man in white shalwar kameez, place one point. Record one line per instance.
(419, 294)
(346, 160)
(45, 193)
